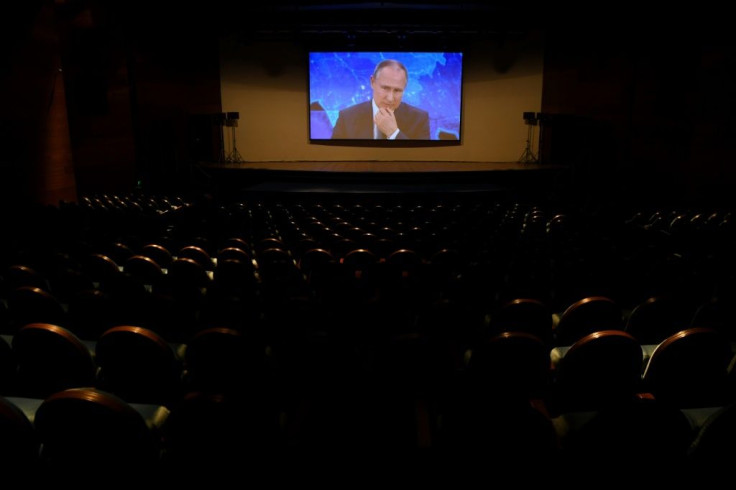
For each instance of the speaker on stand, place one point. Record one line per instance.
(530, 119)
(231, 121)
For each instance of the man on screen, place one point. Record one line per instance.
(384, 116)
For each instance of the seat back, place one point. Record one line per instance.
(96, 429)
(690, 369)
(138, 365)
(601, 369)
(19, 444)
(656, 318)
(585, 316)
(198, 254)
(224, 360)
(712, 450)
(523, 315)
(649, 438)
(51, 358)
(510, 366)
(210, 430)
(28, 304)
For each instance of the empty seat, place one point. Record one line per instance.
(233, 277)
(719, 313)
(138, 365)
(656, 318)
(602, 369)
(198, 254)
(51, 358)
(19, 443)
(28, 304)
(224, 360)
(644, 440)
(97, 430)
(690, 369)
(585, 316)
(713, 449)
(233, 253)
(102, 269)
(509, 366)
(516, 441)
(523, 315)
(144, 269)
(159, 253)
(212, 435)
(19, 275)
(186, 275)
(91, 312)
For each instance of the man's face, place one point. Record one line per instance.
(388, 87)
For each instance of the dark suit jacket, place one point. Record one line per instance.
(356, 122)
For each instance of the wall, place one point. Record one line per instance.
(266, 82)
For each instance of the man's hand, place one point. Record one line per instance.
(386, 121)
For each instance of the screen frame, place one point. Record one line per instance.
(379, 53)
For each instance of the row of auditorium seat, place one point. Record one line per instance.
(692, 368)
(450, 327)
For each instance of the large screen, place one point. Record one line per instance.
(361, 95)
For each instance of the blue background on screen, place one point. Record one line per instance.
(340, 79)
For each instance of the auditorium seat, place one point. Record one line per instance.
(656, 318)
(237, 242)
(101, 269)
(516, 442)
(689, 369)
(510, 365)
(138, 365)
(402, 281)
(528, 315)
(280, 277)
(267, 243)
(99, 432)
(20, 275)
(719, 313)
(644, 440)
(181, 299)
(186, 275)
(268, 256)
(51, 358)
(159, 253)
(19, 444)
(214, 437)
(237, 276)
(315, 258)
(443, 270)
(226, 361)
(585, 316)
(90, 312)
(233, 253)
(65, 280)
(28, 304)
(145, 270)
(119, 252)
(602, 369)
(712, 451)
(198, 254)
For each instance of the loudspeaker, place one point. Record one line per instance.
(233, 115)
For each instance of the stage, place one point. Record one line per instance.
(371, 177)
